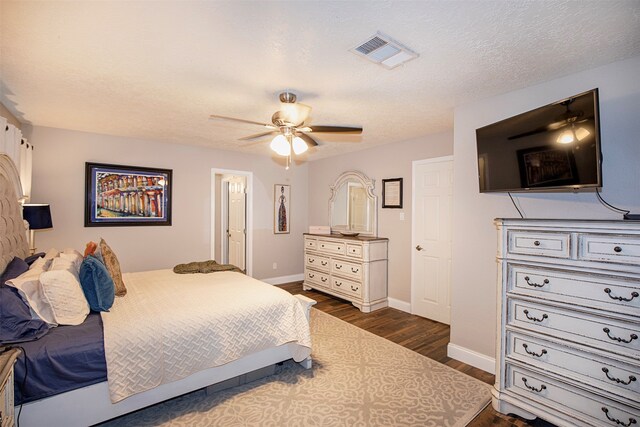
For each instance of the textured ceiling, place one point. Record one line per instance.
(156, 70)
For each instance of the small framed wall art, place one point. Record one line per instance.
(117, 195)
(281, 208)
(392, 193)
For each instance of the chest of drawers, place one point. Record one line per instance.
(568, 346)
(352, 268)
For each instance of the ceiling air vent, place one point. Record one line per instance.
(385, 51)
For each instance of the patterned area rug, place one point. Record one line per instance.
(357, 379)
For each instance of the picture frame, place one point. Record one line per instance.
(392, 193)
(547, 166)
(281, 209)
(119, 195)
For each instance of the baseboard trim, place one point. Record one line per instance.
(284, 279)
(473, 358)
(399, 305)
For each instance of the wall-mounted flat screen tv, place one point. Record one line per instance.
(551, 148)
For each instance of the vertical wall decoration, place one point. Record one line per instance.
(126, 195)
(282, 208)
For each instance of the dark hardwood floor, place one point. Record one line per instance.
(422, 335)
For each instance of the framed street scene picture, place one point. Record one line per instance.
(117, 195)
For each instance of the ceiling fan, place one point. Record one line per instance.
(288, 124)
(568, 118)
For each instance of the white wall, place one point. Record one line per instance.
(386, 161)
(473, 306)
(58, 179)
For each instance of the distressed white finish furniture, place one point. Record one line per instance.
(7, 360)
(352, 268)
(568, 347)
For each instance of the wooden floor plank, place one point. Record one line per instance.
(421, 335)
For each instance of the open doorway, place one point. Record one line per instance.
(231, 220)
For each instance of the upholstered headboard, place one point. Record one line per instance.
(13, 237)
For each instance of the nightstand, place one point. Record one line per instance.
(7, 360)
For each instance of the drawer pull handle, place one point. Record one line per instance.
(312, 275)
(631, 338)
(633, 295)
(536, 243)
(535, 285)
(533, 353)
(324, 263)
(338, 283)
(618, 422)
(535, 319)
(324, 279)
(354, 288)
(338, 266)
(537, 390)
(354, 270)
(311, 260)
(618, 380)
(617, 249)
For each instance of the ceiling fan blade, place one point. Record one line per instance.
(258, 135)
(217, 116)
(334, 129)
(548, 128)
(306, 138)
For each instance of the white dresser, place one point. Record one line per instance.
(352, 268)
(568, 345)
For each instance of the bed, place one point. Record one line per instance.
(153, 352)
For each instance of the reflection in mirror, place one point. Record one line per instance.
(352, 206)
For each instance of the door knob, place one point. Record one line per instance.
(419, 248)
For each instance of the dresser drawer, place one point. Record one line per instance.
(608, 248)
(617, 337)
(310, 243)
(590, 290)
(582, 404)
(348, 269)
(317, 277)
(612, 375)
(354, 251)
(331, 247)
(317, 262)
(346, 286)
(555, 245)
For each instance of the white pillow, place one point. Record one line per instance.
(61, 287)
(51, 253)
(30, 289)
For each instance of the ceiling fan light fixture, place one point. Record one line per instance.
(281, 146)
(572, 135)
(299, 146)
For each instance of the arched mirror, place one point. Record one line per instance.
(353, 206)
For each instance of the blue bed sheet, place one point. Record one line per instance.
(66, 358)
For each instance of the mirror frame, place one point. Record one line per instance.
(368, 184)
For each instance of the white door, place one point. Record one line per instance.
(236, 221)
(431, 240)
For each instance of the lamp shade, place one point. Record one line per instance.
(280, 145)
(299, 146)
(37, 215)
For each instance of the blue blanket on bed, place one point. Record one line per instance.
(67, 358)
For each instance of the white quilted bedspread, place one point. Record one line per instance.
(170, 326)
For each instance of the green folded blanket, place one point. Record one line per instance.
(209, 266)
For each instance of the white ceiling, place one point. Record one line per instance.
(156, 70)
